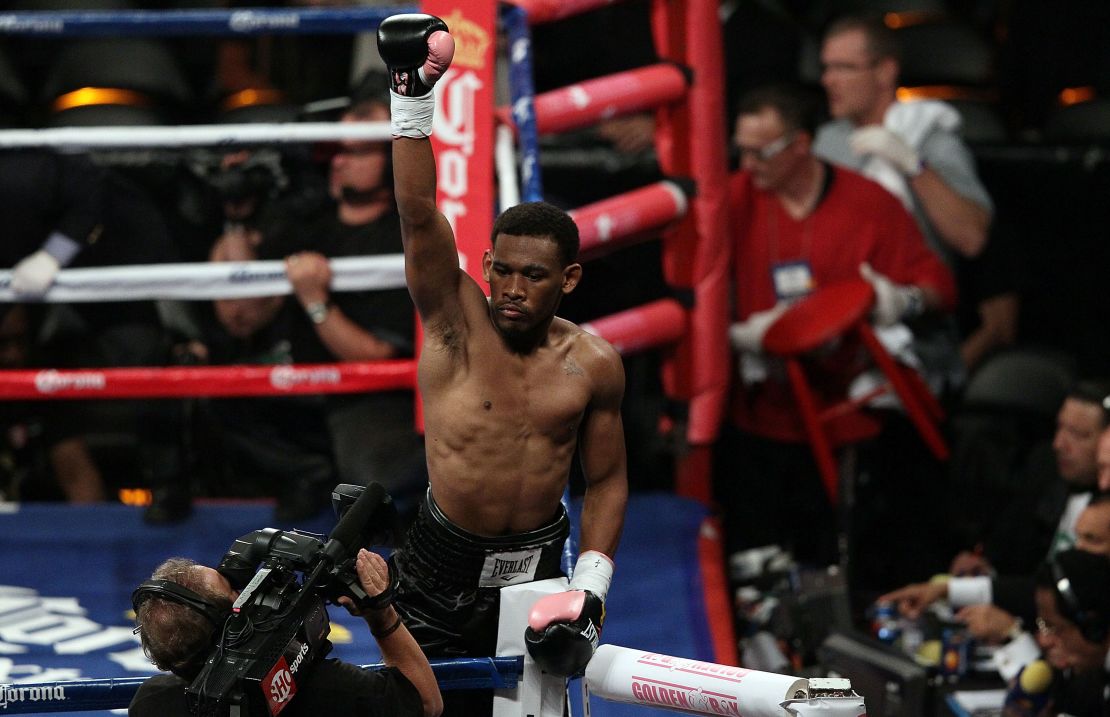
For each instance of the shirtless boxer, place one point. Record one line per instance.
(510, 391)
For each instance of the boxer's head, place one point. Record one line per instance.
(530, 266)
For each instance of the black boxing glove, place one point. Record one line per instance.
(417, 49)
(563, 631)
(564, 628)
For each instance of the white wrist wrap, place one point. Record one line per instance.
(593, 572)
(411, 116)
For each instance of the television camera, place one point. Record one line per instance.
(277, 629)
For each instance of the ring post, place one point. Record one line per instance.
(536, 694)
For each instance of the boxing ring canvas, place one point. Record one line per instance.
(68, 573)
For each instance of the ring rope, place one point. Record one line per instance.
(219, 280)
(165, 23)
(462, 673)
(195, 135)
(654, 324)
(212, 381)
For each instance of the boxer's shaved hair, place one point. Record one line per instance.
(540, 219)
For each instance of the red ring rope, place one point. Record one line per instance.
(185, 381)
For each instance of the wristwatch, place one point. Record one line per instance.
(318, 311)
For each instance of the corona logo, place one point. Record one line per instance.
(471, 41)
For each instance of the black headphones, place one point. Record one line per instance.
(175, 592)
(1092, 626)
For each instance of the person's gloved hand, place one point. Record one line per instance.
(748, 335)
(880, 142)
(34, 274)
(893, 302)
(564, 628)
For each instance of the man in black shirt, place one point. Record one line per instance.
(372, 434)
(178, 637)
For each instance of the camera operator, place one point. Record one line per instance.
(178, 637)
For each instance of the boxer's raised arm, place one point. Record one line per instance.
(417, 49)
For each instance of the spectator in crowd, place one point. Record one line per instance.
(1073, 629)
(277, 444)
(991, 624)
(801, 223)
(40, 442)
(1102, 459)
(915, 151)
(63, 210)
(1046, 521)
(1041, 518)
(373, 434)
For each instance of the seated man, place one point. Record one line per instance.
(1049, 525)
(1073, 629)
(991, 624)
(178, 637)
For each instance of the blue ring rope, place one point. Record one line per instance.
(165, 23)
(464, 673)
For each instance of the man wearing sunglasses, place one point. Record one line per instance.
(800, 223)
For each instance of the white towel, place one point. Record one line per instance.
(913, 122)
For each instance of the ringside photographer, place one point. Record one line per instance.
(217, 632)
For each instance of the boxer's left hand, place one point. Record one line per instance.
(564, 628)
(563, 631)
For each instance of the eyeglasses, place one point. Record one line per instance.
(1045, 629)
(769, 151)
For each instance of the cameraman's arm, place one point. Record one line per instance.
(400, 650)
(398, 647)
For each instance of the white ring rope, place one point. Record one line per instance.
(195, 135)
(223, 280)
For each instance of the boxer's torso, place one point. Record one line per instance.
(501, 427)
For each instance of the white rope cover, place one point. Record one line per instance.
(195, 135)
(224, 280)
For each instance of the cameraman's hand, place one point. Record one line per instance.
(373, 574)
(310, 275)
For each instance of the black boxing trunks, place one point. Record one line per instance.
(450, 578)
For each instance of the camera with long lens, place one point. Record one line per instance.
(277, 631)
(246, 185)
